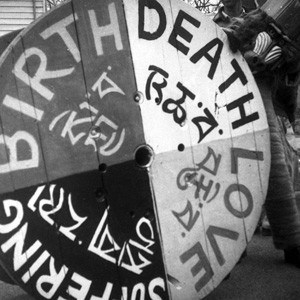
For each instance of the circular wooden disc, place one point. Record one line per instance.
(134, 153)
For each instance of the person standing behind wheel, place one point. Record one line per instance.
(279, 94)
(229, 10)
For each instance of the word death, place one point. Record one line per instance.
(210, 53)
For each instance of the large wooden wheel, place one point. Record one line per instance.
(134, 153)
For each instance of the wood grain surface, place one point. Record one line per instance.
(134, 153)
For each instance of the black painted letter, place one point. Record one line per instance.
(241, 189)
(151, 4)
(204, 52)
(178, 30)
(245, 119)
(237, 153)
(213, 231)
(238, 74)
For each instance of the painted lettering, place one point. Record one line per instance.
(9, 206)
(125, 256)
(126, 251)
(237, 74)
(245, 119)
(180, 31)
(111, 86)
(103, 232)
(14, 163)
(130, 264)
(212, 232)
(188, 177)
(138, 289)
(156, 85)
(73, 122)
(156, 282)
(207, 119)
(112, 143)
(35, 266)
(17, 241)
(241, 189)
(202, 264)
(175, 107)
(23, 108)
(187, 218)
(78, 221)
(60, 28)
(46, 214)
(47, 285)
(161, 26)
(237, 153)
(84, 286)
(149, 241)
(112, 29)
(205, 52)
(41, 73)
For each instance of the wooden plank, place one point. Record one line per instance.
(109, 245)
(103, 40)
(23, 235)
(52, 224)
(6, 40)
(23, 152)
(128, 148)
(210, 203)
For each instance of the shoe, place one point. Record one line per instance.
(292, 256)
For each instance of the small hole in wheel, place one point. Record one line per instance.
(144, 156)
(102, 168)
(181, 147)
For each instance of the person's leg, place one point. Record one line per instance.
(281, 204)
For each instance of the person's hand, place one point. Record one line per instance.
(234, 43)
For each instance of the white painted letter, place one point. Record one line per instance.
(23, 108)
(41, 73)
(8, 204)
(138, 288)
(61, 29)
(152, 285)
(11, 142)
(111, 29)
(35, 266)
(84, 283)
(51, 282)
(18, 240)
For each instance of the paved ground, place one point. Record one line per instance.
(262, 275)
(12, 292)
